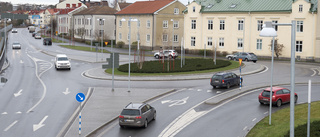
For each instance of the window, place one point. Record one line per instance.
(175, 38)
(79, 21)
(299, 26)
(222, 23)
(240, 24)
(276, 26)
(165, 38)
(298, 46)
(209, 41)
(221, 42)
(175, 24)
(68, 5)
(148, 38)
(193, 41)
(300, 8)
(101, 22)
(79, 4)
(165, 24)
(210, 24)
(260, 23)
(193, 24)
(259, 44)
(176, 11)
(120, 36)
(74, 5)
(193, 9)
(240, 43)
(120, 23)
(148, 24)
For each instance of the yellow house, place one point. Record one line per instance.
(155, 24)
(234, 26)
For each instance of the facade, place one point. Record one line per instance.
(69, 4)
(65, 20)
(156, 24)
(94, 23)
(235, 26)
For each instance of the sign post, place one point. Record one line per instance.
(240, 61)
(80, 97)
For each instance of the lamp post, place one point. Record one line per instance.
(172, 32)
(101, 37)
(243, 34)
(129, 22)
(90, 34)
(267, 31)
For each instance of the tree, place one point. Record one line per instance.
(277, 48)
(81, 32)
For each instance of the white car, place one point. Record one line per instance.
(166, 54)
(62, 62)
(16, 45)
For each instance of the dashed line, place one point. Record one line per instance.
(209, 90)
(254, 119)
(199, 89)
(11, 125)
(245, 128)
(266, 112)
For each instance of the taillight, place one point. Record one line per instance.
(222, 81)
(138, 117)
(211, 80)
(121, 116)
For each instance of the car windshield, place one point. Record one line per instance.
(217, 77)
(16, 43)
(130, 112)
(252, 54)
(62, 59)
(266, 93)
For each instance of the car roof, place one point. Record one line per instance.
(274, 88)
(61, 55)
(134, 105)
(222, 73)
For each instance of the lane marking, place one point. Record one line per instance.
(266, 112)
(4, 113)
(18, 93)
(199, 89)
(38, 126)
(218, 92)
(254, 119)
(19, 112)
(209, 90)
(245, 128)
(11, 125)
(314, 71)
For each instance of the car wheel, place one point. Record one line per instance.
(254, 61)
(170, 57)
(228, 85)
(279, 103)
(156, 56)
(229, 58)
(261, 103)
(295, 99)
(154, 115)
(246, 60)
(122, 126)
(214, 86)
(145, 123)
(234, 59)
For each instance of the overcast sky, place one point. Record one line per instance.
(54, 2)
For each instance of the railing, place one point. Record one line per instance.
(3, 48)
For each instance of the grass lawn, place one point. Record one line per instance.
(83, 48)
(281, 121)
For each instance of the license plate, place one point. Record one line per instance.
(128, 120)
(217, 81)
(266, 99)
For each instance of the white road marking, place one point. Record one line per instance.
(199, 90)
(18, 93)
(218, 92)
(11, 125)
(314, 71)
(190, 89)
(66, 92)
(38, 126)
(4, 113)
(176, 102)
(245, 128)
(21, 62)
(19, 112)
(209, 90)
(254, 119)
(266, 112)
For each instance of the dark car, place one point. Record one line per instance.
(34, 33)
(47, 41)
(280, 95)
(245, 56)
(225, 79)
(137, 114)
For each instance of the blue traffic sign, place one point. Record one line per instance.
(80, 97)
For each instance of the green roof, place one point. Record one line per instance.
(250, 5)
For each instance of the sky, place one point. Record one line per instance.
(54, 2)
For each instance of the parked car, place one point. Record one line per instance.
(14, 31)
(166, 54)
(137, 115)
(280, 95)
(47, 41)
(245, 56)
(62, 62)
(225, 79)
(37, 36)
(34, 33)
(230, 56)
(16, 45)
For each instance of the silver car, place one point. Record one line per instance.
(245, 56)
(137, 115)
(166, 54)
(16, 45)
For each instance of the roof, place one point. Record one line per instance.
(123, 5)
(144, 7)
(51, 11)
(250, 5)
(97, 10)
(65, 11)
(134, 105)
(274, 89)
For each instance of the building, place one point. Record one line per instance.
(235, 26)
(70, 4)
(94, 23)
(157, 24)
(65, 19)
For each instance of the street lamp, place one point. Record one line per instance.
(101, 36)
(90, 32)
(172, 32)
(129, 22)
(269, 31)
(243, 34)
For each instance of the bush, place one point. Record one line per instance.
(159, 67)
(120, 44)
(301, 130)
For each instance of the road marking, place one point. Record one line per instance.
(218, 92)
(19, 112)
(18, 94)
(66, 92)
(254, 119)
(38, 126)
(199, 89)
(314, 71)
(11, 125)
(21, 61)
(245, 128)
(190, 89)
(4, 113)
(175, 102)
(266, 112)
(209, 90)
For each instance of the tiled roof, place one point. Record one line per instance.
(66, 11)
(51, 11)
(97, 10)
(123, 5)
(144, 7)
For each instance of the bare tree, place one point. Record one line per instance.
(277, 48)
(81, 32)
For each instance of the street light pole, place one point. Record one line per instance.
(101, 37)
(243, 34)
(270, 105)
(90, 33)
(172, 32)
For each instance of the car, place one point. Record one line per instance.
(62, 62)
(16, 45)
(37, 36)
(137, 115)
(230, 57)
(245, 56)
(280, 96)
(14, 31)
(34, 33)
(166, 54)
(47, 41)
(225, 79)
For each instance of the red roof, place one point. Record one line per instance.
(144, 7)
(65, 11)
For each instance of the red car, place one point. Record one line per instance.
(280, 95)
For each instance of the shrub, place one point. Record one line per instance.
(301, 130)
(120, 44)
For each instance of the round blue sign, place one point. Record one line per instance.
(80, 97)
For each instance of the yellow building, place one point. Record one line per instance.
(234, 25)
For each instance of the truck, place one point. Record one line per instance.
(32, 29)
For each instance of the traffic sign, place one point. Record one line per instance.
(240, 61)
(80, 97)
